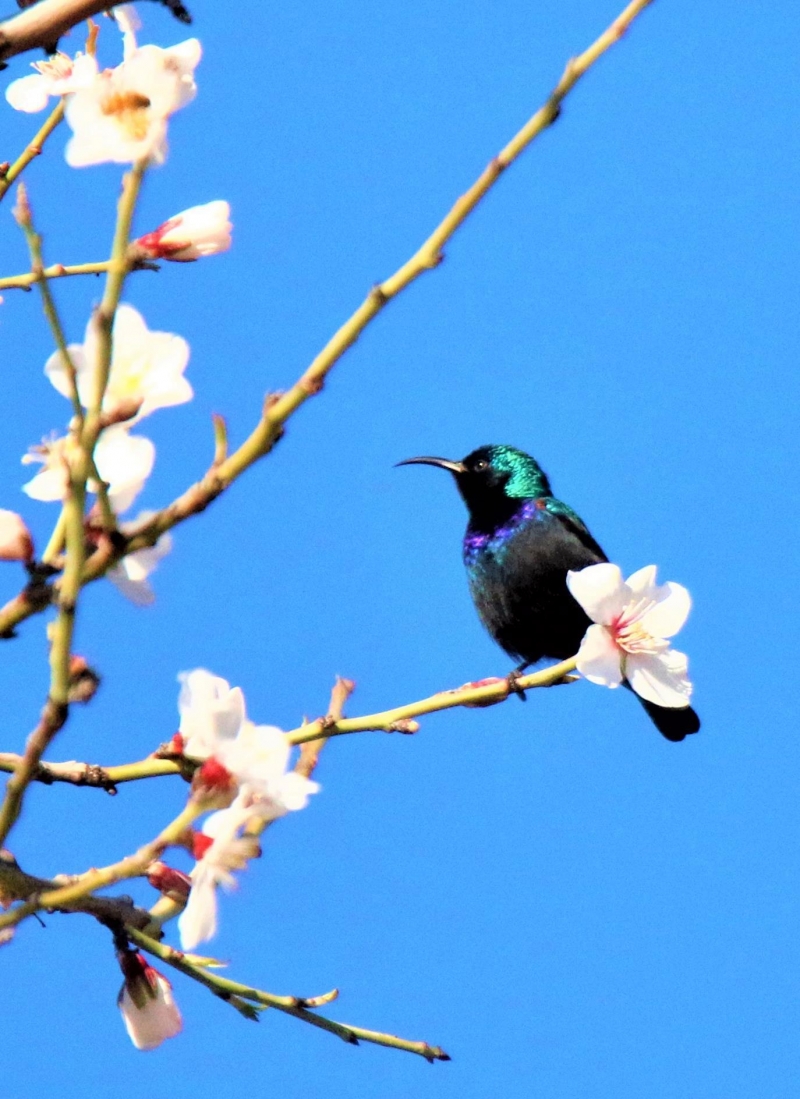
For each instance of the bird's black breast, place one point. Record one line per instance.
(518, 580)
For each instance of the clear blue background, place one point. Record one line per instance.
(570, 905)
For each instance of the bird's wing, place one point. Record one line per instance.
(572, 522)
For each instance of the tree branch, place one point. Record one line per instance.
(290, 1005)
(40, 26)
(15, 884)
(310, 736)
(54, 271)
(32, 149)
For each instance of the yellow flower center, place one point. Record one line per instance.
(631, 636)
(129, 110)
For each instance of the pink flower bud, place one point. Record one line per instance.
(172, 883)
(16, 543)
(198, 231)
(83, 679)
(148, 1009)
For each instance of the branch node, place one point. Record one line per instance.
(405, 725)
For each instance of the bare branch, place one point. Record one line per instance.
(291, 1005)
(40, 26)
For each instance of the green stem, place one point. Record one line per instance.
(131, 866)
(56, 542)
(400, 719)
(39, 276)
(54, 271)
(290, 1005)
(32, 149)
(118, 267)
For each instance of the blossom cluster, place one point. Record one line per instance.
(246, 767)
(243, 773)
(121, 115)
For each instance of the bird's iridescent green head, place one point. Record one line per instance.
(493, 480)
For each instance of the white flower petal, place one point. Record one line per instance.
(157, 1020)
(660, 677)
(670, 612)
(198, 921)
(642, 583)
(56, 369)
(599, 659)
(211, 712)
(600, 590)
(29, 93)
(124, 462)
(138, 591)
(48, 485)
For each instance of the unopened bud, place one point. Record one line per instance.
(122, 411)
(22, 210)
(148, 1007)
(198, 231)
(172, 883)
(83, 680)
(16, 543)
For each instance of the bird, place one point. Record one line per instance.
(519, 545)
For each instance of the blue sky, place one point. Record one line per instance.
(568, 904)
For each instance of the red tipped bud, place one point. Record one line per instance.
(198, 231)
(16, 543)
(148, 1009)
(172, 883)
(83, 680)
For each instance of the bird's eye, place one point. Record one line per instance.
(481, 465)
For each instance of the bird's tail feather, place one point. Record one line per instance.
(674, 724)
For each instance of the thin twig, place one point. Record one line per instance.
(40, 26)
(24, 216)
(34, 146)
(81, 468)
(290, 1005)
(15, 884)
(132, 866)
(54, 271)
(310, 749)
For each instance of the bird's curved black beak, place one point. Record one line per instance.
(443, 463)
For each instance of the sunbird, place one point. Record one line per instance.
(519, 546)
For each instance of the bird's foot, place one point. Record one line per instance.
(512, 679)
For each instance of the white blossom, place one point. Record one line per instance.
(634, 618)
(198, 231)
(124, 462)
(130, 574)
(146, 367)
(259, 757)
(148, 1007)
(215, 729)
(58, 75)
(122, 115)
(211, 711)
(228, 851)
